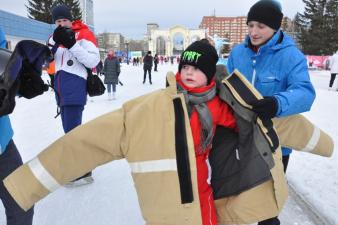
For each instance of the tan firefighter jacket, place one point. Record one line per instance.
(152, 133)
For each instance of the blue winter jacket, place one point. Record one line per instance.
(278, 69)
(6, 131)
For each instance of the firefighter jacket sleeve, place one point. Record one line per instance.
(78, 152)
(298, 133)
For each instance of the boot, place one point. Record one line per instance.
(109, 96)
(114, 96)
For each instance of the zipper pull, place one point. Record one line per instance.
(237, 154)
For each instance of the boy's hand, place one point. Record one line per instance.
(265, 108)
(64, 36)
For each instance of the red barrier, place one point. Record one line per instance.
(317, 62)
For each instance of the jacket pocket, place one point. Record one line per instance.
(269, 82)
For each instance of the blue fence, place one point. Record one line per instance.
(20, 26)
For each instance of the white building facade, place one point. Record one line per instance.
(172, 41)
(87, 8)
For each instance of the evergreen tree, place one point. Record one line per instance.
(74, 6)
(40, 10)
(317, 27)
(285, 25)
(332, 19)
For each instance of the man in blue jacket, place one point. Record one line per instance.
(270, 60)
(10, 159)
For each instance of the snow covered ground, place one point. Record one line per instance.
(112, 200)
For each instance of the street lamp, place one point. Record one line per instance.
(127, 45)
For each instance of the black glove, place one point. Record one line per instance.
(265, 108)
(31, 83)
(64, 36)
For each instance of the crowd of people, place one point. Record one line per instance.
(173, 138)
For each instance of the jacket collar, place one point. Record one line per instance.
(278, 41)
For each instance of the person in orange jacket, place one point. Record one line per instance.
(51, 72)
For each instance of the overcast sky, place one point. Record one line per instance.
(130, 17)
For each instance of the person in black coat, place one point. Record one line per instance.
(147, 65)
(111, 71)
(155, 62)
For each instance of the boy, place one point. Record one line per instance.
(75, 49)
(166, 138)
(195, 80)
(20, 73)
(10, 159)
(264, 59)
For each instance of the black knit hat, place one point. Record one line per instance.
(268, 12)
(201, 55)
(61, 12)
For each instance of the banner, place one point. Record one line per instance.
(135, 54)
(121, 54)
(318, 62)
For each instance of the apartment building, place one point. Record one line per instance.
(232, 28)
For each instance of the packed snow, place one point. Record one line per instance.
(112, 200)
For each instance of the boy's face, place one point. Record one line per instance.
(259, 33)
(193, 77)
(63, 23)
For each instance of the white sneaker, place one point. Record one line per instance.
(109, 96)
(114, 96)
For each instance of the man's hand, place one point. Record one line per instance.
(64, 36)
(265, 108)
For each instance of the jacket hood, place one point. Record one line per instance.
(78, 25)
(278, 41)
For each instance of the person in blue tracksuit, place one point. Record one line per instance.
(75, 50)
(10, 159)
(270, 60)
